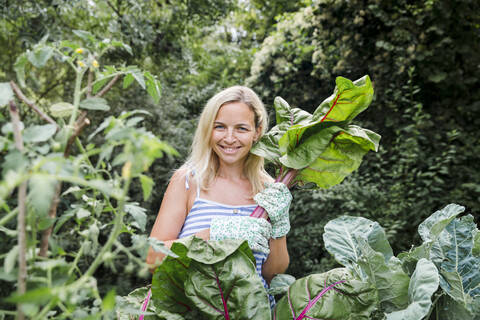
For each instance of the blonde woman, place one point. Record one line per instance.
(221, 183)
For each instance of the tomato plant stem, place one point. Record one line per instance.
(22, 198)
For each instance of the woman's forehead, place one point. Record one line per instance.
(235, 111)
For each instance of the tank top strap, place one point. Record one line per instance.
(187, 185)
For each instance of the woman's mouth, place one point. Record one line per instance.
(229, 150)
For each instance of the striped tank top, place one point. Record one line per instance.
(200, 217)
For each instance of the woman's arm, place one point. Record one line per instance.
(278, 259)
(171, 216)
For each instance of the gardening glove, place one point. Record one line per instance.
(256, 231)
(276, 199)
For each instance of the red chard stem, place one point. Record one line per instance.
(289, 177)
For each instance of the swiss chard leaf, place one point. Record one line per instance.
(223, 283)
(216, 277)
(323, 147)
(168, 291)
(347, 101)
(342, 156)
(335, 294)
(129, 307)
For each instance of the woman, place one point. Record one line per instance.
(215, 191)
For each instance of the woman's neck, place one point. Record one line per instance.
(235, 172)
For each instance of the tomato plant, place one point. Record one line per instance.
(68, 191)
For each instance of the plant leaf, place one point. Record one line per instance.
(168, 290)
(95, 104)
(460, 275)
(202, 272)
(153, 86)
(108, 303)
(6, 93)
(85, 35)
(10, 260)
(61, 109)
(138, 75)
(39, 133)
(324, 145)
(284, 113)
(341, 239)
(35, 296)
(19, 68)
(40, 56)
(222, 278)
(147, 186)
(431, 227)
(138, 213)
(388, 277)
(127, 80)
(451, 309)
(127, 307)
(280, 284)
(347, 101)
(423, 284)
(267, 146)
(476, 244)
(41, 192)
(14, 161)
(342, 156)
(308, 298)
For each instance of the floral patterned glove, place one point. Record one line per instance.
(256, 231)
(276, 199)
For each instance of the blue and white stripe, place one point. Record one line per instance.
(201, 214)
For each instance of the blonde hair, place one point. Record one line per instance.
(203, 161)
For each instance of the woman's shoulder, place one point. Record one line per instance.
(180, 174)
(184, 176)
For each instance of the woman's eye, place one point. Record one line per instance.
(243, 129)
(218, 126)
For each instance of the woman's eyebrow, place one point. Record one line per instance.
(245, 124)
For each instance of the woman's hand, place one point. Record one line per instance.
(256, 231)
(276, 199)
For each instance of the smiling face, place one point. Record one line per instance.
(233, 133)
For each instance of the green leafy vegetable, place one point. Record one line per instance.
(322, 148)
(216, 277)
(444, 265)
(335, 294)
(423, 284)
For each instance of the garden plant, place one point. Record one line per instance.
(65, 197)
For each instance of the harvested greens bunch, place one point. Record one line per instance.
(323, 147)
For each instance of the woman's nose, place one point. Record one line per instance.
(230, 136)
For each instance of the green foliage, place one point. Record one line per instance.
(424, 67)
(406, 285)
(420, 58)
(324, 147)
(216, 278)
(335, 294)
(88, 221)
